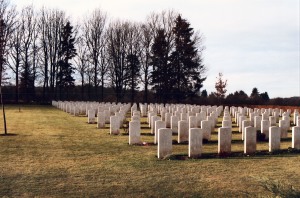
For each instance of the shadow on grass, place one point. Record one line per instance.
(216, 141)
(8, 134)
(175, 142)
(237, 155)
(233, 132)
(145, 144)
(286, 139)
(147, 134)
(279, 188)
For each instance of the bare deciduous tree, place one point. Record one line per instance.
(14, 61)
(117, 51)
(146, 43)
(94, 34)
(28, 53)
(133, 58)
(220, 86)
(7, 22)
(81, 63)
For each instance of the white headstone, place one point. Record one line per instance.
(206, 127)
(91, 116)
(224, 140)
(274, 138)
(183, 131)
(153, 119)
(159, 124)
(195, 142)
(265, 125)
(265, 116)
(241, 119)
(284, 126)
(226, 123)
(164, 147)
(245, 123)
(135, 118)
(184, 116)
(107, 116)
(114, 125)
(257, 122)
(192, 122)
(296, 137)
(174, 124)
(250, 140)
(134, 132)
(168, 120)
(100, 120)
(295, 118)
(272, 120)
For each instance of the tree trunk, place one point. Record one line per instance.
(102, 88)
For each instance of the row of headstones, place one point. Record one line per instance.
(224, 140)
(177, 109)
(191, 117)
(82, 108)
(100, 113)
(263, 121)
(249, 137)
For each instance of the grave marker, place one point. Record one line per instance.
(224, 140)
(274, 138)
(164, 147)
(195, 142)
(134, 132)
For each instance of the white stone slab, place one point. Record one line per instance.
(224, 140)
(174, 124)
(183, 131)
(100, 120)
(250, 140)
(134, 132)
(245, 123)
(164, 147)
(284, 126)
(159, 124)
(91, 116)
(296, 137)
(193, 122)
(195, 142)
(257, 122)
(153, 120)
(168, 119)
(206, 127)
(227, 123)
(114, 125)
(274, 138)
(265, 125)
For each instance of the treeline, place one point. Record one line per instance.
(238, 98)
(47, 56)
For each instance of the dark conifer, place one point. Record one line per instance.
(68, 51)
(186, 61)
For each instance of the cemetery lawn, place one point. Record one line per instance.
(49, 153)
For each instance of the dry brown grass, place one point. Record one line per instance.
(54, 154)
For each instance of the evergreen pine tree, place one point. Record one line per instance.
(161, 73)
(186, 62)
(132, 73)
(67, 52)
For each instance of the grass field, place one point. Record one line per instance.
(50, 153)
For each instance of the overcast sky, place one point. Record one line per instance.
(254, 43)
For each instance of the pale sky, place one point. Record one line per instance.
(254, 43)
